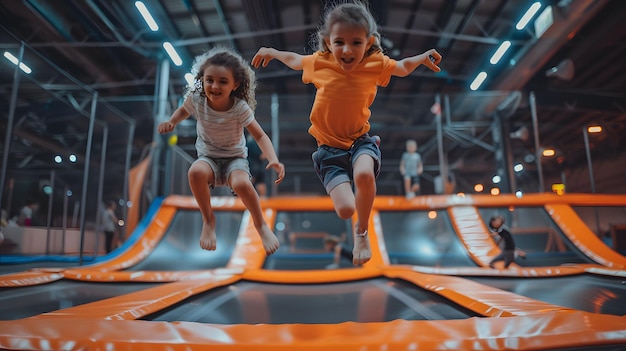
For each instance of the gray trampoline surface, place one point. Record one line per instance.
(597, 294)
(179, 249)
(411, 237)
(374, 300)
(28, 301)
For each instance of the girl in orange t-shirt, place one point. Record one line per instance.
(346, 70)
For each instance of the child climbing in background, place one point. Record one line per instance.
(222, 100)
(496, 226)
(347, 70)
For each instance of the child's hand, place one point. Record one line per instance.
(263, 57)
(280, 170)
(432, 60)
(165, 127)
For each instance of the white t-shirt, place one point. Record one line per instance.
(108, 220)
(25, 214)
(220, 133)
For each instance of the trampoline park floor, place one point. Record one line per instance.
(160, 291)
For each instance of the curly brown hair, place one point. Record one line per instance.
(225, 57)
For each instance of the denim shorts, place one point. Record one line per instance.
(334, 166)
(222, 167)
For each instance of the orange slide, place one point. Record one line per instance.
(233, 299)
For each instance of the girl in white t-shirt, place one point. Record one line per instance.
(222, 100)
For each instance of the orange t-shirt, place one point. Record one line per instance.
(341, 113)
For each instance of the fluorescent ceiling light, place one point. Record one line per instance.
(146, 16)
(173, 54)
(189, 78)
(480, 78)
(532, 10)
(9, 56)
(500, 52)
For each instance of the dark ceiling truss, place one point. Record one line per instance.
(111, 51)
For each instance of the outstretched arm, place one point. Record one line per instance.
(265, 144)
(407, 65)
(265, 55)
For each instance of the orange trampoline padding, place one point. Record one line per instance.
(549, 330)
(589, 243)
(28, 278)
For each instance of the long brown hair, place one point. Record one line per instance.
(355, 13)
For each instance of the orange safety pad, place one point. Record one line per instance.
(249, 252)
(141, 303)
(479, 298)
(510, 321)
(28, 278)
(432, 202)
(550, 330)
(143, 247)
(512, 271)
(576, 230)
(313, 276)
(469, 227)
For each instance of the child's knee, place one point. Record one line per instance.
(240, 183)
(345, 211)
(197, 174)
(364, 178)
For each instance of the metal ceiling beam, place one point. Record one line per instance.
(535, 54)
(261, 33)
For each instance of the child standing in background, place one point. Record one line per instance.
(109, 225)
(222, 100)
(411, 168)
(347, 70)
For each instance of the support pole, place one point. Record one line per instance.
(533, 112)
(83, 198)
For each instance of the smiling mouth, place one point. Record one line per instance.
(347, 61)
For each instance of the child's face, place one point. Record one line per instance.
(218, 83)
(411, 147)
(496, 223)
(348, 44)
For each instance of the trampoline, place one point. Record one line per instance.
(161, 292)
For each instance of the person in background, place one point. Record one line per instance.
(496, 227)
(411, 167)
(26, 213)
(109, 225)
(333, 244)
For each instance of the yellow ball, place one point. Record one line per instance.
(173, 140)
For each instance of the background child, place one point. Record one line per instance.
(346, 70)
(222, 100)
(496, 226)
(109, 225)
(411, 168)
(333, 244)
(26, 213)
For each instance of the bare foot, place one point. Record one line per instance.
(361, 252)
(208, 240)
(270, 241)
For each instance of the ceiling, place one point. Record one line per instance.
(81, 48)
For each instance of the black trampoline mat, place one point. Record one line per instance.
(375, 300)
